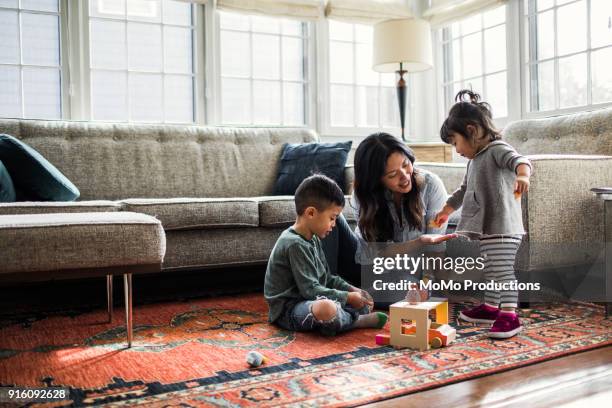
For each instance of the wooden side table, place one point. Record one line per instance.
(432, 152)
(606, 195)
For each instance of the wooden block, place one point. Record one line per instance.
(382, 339)
(442, 313)
(408, 328)
(418, 338)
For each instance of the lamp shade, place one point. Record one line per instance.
(404, 40)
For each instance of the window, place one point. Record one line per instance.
(358, 96)
(30, 63)
(141, 60)
(568, 53)
(474, 55)
(263, 70)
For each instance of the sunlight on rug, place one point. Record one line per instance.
(193, 353)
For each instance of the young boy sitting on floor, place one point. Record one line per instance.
(302, 293)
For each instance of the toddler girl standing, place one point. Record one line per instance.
(496, 177)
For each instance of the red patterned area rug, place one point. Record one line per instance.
(192, 353)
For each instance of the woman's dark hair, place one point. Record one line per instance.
(469, 112)
(375, 222)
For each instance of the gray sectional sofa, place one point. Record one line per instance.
(210, 187)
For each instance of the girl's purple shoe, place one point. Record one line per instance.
(480, 314)
(505, 326)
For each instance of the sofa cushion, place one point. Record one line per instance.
(34, 177)
(279, 211)
(53, 242)
(299, 161)
(50, 207)
(198, 213)
(7, 190)
(195, 249)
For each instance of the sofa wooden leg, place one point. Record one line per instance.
(109, 297)
(127, 289)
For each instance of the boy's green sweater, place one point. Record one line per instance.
(297, 271)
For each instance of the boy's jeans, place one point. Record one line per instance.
(300, 318)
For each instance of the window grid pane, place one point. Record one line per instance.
(141, 54)
(10, 91)
(40, 5)
(474, 55)
(263, 70)
(30, 84)
(359, 97)
(568, 68)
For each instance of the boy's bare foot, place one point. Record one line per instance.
(371, 320)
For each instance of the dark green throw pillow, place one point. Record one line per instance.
(7, 190)
(33, 176)
(301, 160)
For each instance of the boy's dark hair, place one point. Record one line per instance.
(317, 191)
(469, 112)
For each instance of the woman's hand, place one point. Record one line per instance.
(432, 239)
(416, 244)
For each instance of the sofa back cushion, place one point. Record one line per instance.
(118, 161)
(580, 133)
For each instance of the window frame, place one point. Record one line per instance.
(79, 53)
(512, 73)
(63, 66)
(213, 72)
(86, 18)
(526, 64)
(76, 93)
(355, 133)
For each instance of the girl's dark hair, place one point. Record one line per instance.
(375, 222)
(469, 112)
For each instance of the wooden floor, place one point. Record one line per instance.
(578, 380)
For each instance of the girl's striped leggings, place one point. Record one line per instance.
(499, 252)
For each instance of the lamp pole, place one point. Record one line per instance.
(401, 98)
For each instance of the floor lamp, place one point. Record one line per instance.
(402, 46)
